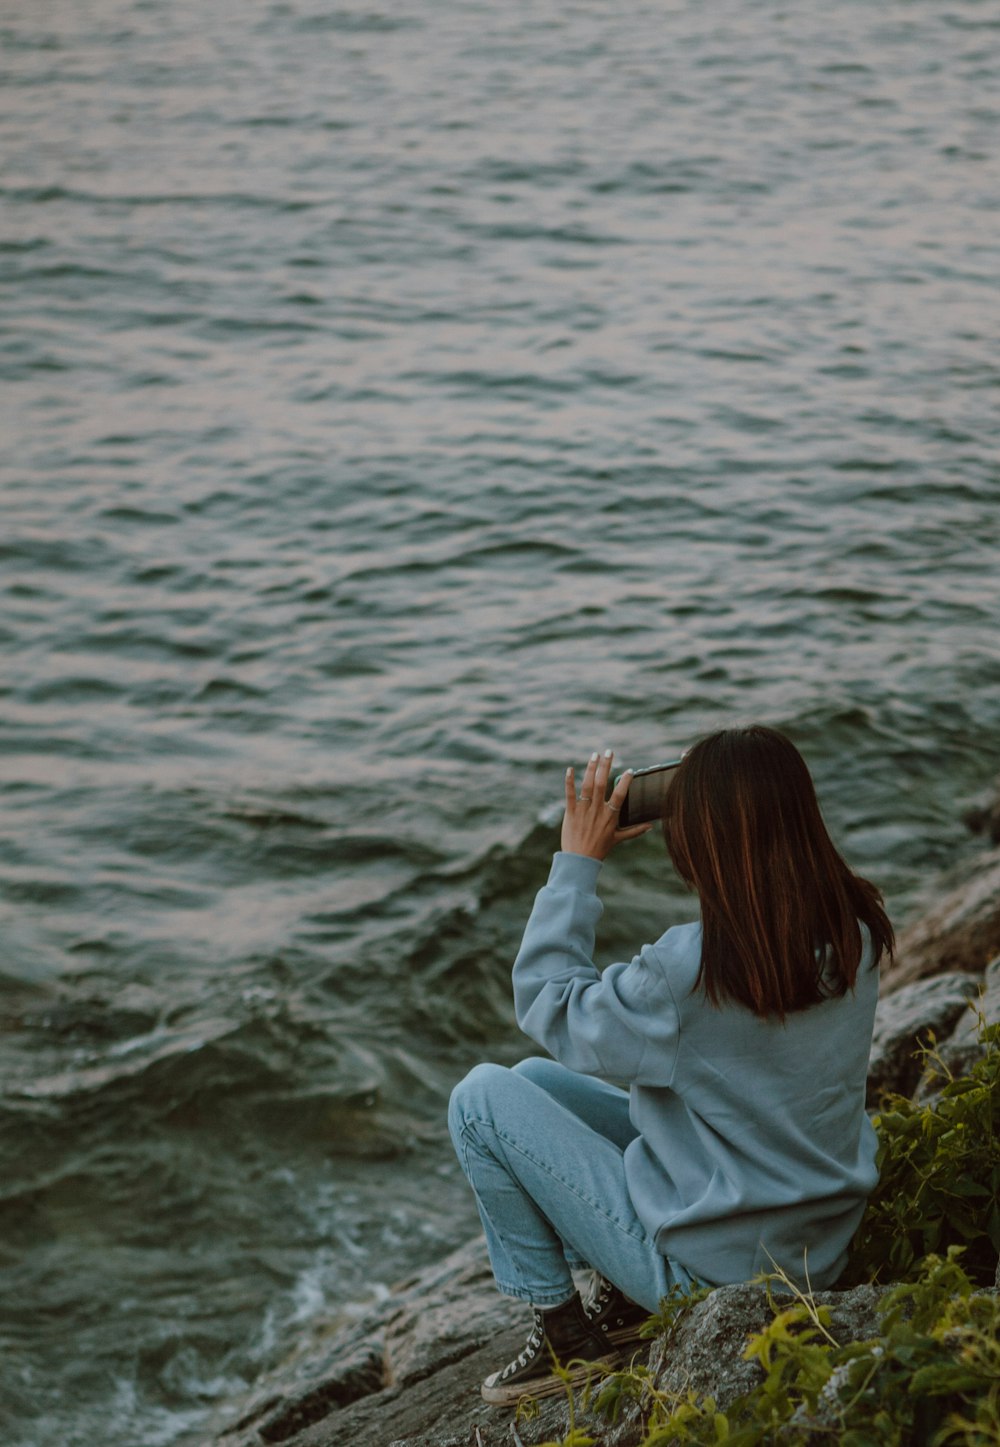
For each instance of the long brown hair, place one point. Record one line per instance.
(780, 909)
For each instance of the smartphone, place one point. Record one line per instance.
(646, 794)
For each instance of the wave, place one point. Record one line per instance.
(271, 1076)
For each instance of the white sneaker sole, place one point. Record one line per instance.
(503, 1394)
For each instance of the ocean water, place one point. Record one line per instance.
(400, 402)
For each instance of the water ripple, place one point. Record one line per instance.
(401, 403)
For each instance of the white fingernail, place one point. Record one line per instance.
(593, 758)
(608, 753)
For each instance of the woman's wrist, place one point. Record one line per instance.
(577, 870)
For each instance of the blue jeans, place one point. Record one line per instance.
(543, 1148)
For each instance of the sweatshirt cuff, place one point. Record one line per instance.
(577, 871)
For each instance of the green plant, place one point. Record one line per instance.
(527, 1408)
(940, 1175)
(672, 1307)
(930, 1379)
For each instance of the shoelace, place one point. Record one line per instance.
(530, 1349)
(601, 1299)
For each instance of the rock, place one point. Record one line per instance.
(357, 1374)
(960, 1050)
(407, 1371)
(962, 1047)
(407, 1374)
(904, 1020)
(405, 1363)
(961, 932)
(704, 1352)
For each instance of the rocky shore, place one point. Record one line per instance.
(407, 1373)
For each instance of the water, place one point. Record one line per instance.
(400, 403)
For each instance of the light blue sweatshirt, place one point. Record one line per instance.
(754, 1149)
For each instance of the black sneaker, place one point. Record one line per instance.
(565, 1334)
(614, 1315)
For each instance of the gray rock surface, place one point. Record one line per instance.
(409, 1361)
(408, 1372)
(704, 1353)
(904, 1021)
(962, 1046)
(959, 1050)
(960, 931)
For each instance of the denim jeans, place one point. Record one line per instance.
(543, 1148)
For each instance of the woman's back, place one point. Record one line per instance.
(753, 1143)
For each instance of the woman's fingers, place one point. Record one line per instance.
(590, 823)
(620, 790)
(632, 832)
(588, 788)
(594, 785)
(601, 772)
(615, 802)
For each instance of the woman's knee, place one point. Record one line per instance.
(475, 1095)
(540, 1070)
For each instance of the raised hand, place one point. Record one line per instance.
(590, 823)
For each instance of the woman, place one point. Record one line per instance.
(742, 1143)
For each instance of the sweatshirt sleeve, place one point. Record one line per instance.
(620, 1023)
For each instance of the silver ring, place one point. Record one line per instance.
(585, 798)
(615, 808)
